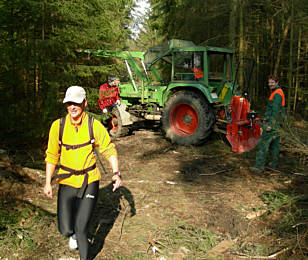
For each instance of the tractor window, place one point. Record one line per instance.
(188, 65)
(218, 64)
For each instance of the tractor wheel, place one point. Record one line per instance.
(115, 126)
(187, 118)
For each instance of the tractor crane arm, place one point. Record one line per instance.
(130, 58)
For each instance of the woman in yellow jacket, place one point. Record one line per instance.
(78, 176)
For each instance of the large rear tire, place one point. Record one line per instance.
(187, 118)
(115, 125)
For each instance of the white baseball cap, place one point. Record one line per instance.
(75, 94)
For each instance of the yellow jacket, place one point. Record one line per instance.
(83, 157)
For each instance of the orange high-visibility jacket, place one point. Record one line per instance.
(280, 92)
(275, 109)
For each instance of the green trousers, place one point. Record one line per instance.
(268, 143)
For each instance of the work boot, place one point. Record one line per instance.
(73, 242)
(255, 170)
(272, 165)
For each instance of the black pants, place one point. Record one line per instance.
(74, 214)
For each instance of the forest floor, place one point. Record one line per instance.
(176, 203)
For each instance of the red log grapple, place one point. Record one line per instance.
(244, 131)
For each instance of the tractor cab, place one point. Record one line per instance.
(210, 69)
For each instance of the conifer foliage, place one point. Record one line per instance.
(38, 60)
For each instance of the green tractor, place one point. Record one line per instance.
(191, 97)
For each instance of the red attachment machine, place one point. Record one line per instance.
(244, 131)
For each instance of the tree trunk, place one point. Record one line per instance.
(241, 44)
(297, 67)
(257, 70)
(290, 72)
(232, 23)
(284, 36)
(271, 46)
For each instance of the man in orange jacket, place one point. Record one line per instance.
(78, 176)
(269, 141)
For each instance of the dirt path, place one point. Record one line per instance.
(168, 187)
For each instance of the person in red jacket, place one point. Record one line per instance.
(109, 94)
(198, 73)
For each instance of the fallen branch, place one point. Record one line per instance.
(213, 173)
(273, 256)
(166, 150)
(160, 243)
(122, 224)
(298, 224)
(206, 156)
(152, 244)
(274, 170)
(301, 174)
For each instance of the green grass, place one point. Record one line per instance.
(254, 249)
(284, 212)
(291, 215)
(137, 256)
(12, 232)
(285, 204)
(276, 199)
(198, 241)
(20, 222)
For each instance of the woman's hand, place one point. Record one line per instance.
(48, 190)
(117, 182)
